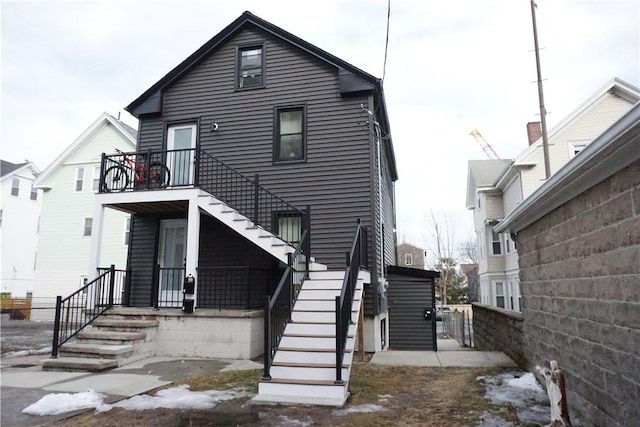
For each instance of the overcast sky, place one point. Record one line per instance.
(452, 66)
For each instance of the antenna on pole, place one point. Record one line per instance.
(543, 111)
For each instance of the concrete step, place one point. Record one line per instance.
(124, 325)
(96, 351)
(80, 364)
(302, 392)
(108, 337)
(302, 372)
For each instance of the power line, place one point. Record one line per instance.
(386, 44)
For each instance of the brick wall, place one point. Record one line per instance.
(497, 329)
(580, 276)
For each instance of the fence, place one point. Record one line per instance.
(26, 326)
(459, 326)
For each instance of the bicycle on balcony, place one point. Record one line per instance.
(144, 174)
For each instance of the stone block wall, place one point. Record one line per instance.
(497, 329)
(580, 277)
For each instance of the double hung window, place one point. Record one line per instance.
(250, 67)
(15, 187)
(290, 134)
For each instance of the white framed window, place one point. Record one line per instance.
(496, 245)
(95, 184)
(507, 243)
(34, 193)
(127, 230)
(576, 147)
(408, 259)
(1, 213)
(499, 287)
(15, 187)
(512, 296)
(86, 227)
(79, 182)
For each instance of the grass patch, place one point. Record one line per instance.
(246, 380)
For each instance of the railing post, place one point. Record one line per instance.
(248, 296)
(339, 344)
(256, 199)
(196, 168)
(103, 169)
(155, 284)
(307, 242)
(147, 170)
(56, 328)
(126, 292)
(267, 341)
(112, 283)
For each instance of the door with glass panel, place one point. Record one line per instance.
(171, 257)
(181, 144)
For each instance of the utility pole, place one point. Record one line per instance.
(543, 111)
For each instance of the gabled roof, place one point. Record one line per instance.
(612, 151)
(351, 76)
(127, 131)
(247, 19)
(484, 174)
(8, 168)
(615, 86)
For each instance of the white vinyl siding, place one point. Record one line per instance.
(62, 219)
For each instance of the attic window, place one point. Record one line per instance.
(250, 67)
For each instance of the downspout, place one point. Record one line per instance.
(376, 127)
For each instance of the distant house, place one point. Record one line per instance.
(579, 244)
(20, 204)
(265, 160)
(70, 184)
(496, 187)
(411, 256)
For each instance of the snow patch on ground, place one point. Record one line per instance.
(520, 390)
(384, 397)
(285, 421)
(174, 398)
(22, 353)
(366, 408)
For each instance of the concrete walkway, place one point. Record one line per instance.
(23, 382)
(449, 354)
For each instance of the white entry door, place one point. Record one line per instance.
(180, 163)
(173, 249)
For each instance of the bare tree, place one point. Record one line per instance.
(468, 250)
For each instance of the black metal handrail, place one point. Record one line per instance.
(78, 310)
(170, 280)
(356, 258)
(278, 307)
(245, 195)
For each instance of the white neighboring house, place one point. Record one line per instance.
(496, 187)
(20, 205)
(70, 183)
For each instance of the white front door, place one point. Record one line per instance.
(180, 163)
(173, 249)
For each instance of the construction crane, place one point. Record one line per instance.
(488, 150)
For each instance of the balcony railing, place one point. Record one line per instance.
(153, 170)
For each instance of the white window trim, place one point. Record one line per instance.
(76, 179)
(84, 227)
(15, 180)
(499, 240)
(408, 259)
(96, 177)
(33, 191)
(127, 230)
(496, 295)
(576, 144)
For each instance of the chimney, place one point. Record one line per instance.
(534, 132)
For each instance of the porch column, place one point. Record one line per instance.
(193, 241)
(94, 254)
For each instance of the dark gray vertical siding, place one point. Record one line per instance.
(335, 179)
(144, 230)
(408, 298)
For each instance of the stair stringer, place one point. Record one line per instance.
(304, 366)
(257, 235)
